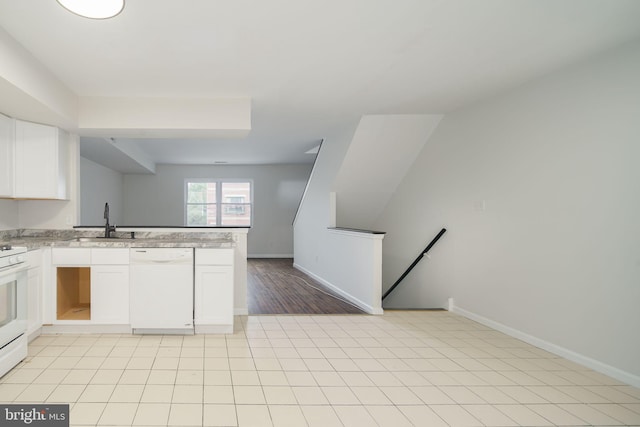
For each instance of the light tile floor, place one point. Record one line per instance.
(405, 368)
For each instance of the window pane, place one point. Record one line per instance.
(201, 192)
(237, 191)
(236, 214)
(236, 204)
(234, 199)
(211, 214)
(196, 214)
(201, 215)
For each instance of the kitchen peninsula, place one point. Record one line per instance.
(80, 281)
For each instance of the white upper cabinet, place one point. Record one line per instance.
(6, 156)
(41, 161)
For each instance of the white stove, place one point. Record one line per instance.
(11, 255)
(13, 306)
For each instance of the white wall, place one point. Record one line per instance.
(310, 237)
(555, 254)
(100, 185)
(30, 91)
(347, 262)
(159, 200)
(379, 155)
(356, 267)
(165, 117)
(8, 214)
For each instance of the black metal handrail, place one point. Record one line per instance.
(414, 263)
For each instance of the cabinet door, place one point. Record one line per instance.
(6, 156)
(110, 294)
(35, 291)
(34, 296)
(41, 161)
(213, 295)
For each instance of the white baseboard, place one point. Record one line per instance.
(34, 334)
(355, 301)
(161, 331)
(86, 329)
(270, 256)
(596, 365)
(214, 329)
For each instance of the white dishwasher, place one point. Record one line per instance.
(161, 290)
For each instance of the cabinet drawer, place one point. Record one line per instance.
(70, 256)
(214, 256)
(104, 256)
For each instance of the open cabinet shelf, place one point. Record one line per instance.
(73, 293)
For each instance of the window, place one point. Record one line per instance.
(217, 203)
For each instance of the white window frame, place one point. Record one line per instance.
(219, 202)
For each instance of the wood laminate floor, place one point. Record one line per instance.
(275, 287)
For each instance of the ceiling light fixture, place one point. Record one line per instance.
(94, 9)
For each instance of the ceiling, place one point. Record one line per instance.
(310, 67)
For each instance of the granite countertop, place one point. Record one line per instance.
(144, 243)
(35, 239)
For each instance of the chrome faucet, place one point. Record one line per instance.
(108, 229)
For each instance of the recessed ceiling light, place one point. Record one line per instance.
(94, 9)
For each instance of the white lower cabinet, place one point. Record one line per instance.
(90, 286)
(110, 294)
(213, 309)
(110, 286)
(34, 293)
(71, 285)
